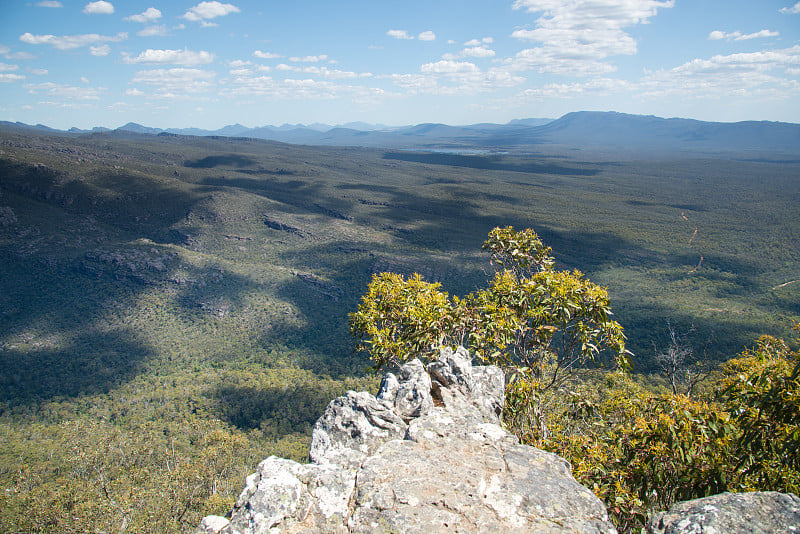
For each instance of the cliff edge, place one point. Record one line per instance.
(427, 454)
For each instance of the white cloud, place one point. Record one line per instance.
(7, 78)
(310, 59)
(449, 67)
(299, 89)
(576, 35)
(153, 31)
(427, 36)
(595, 87)
(238, 63)
(453, 78)
(172, 83)
(134, 92)
(66, 92)
(185, 57)
(49, 3)
(100, 50)
(68, 42)
(753, 74)
(209, 10)
(101, 7)
(399, 34)
(39, 72)
(84, 79)
(794, 10)
(479, 42)
(324, 72)
(738, 36)
(265, 55)
(477, 51)
(5, 67)
(148, 16)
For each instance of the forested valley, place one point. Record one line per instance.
(173, 309)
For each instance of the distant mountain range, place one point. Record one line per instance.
(578, 129)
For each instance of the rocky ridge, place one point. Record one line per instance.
(427, 454)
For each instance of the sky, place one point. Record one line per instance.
(208, 64)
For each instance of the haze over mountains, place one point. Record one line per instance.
(584, 129)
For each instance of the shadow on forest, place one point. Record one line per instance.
(493, 163)
(277, 410)
(94, 362)
(227, 160)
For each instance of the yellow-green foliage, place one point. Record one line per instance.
(537, 323)
(641, 451)
(398, 318)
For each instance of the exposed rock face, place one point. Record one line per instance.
(426, 455)
(761, 512)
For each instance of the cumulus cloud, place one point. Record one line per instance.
(794, 10)
(172, 83)
(575, 36)
(100, 50)
(185, 57)
(148, 16)
(309, 59)
(40, 72)
(209, 10)
(153, 31)
(399, 34)
(265, 55)
(738, 36)
(68, 42)
(299, 89)
(66, 92)
(449, 67)
(324, 72)
(101, 7)
(49, 3)
(427, 36)
(751, 73)
(8, 78)
(477, 51)
(479, 42)
(5, 67)
(594, 87)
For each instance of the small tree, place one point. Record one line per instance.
(537, 323)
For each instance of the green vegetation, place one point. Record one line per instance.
(638, 450)
(538, 324)
(174, 309)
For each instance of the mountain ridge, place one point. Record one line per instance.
(576, 129)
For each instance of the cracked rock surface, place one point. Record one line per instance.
(427, 454)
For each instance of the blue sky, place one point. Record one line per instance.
(167, 63)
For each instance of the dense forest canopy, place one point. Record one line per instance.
(173, 309)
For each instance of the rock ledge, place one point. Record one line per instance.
(427, 454)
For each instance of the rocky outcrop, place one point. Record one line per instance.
(427, 454)
(760, 512)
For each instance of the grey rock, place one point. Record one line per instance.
(212, 524)
(426, 455)
(760, 512)
(411, 394)
(355, 423)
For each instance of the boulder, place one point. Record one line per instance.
(759, 512)
(427, 454)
